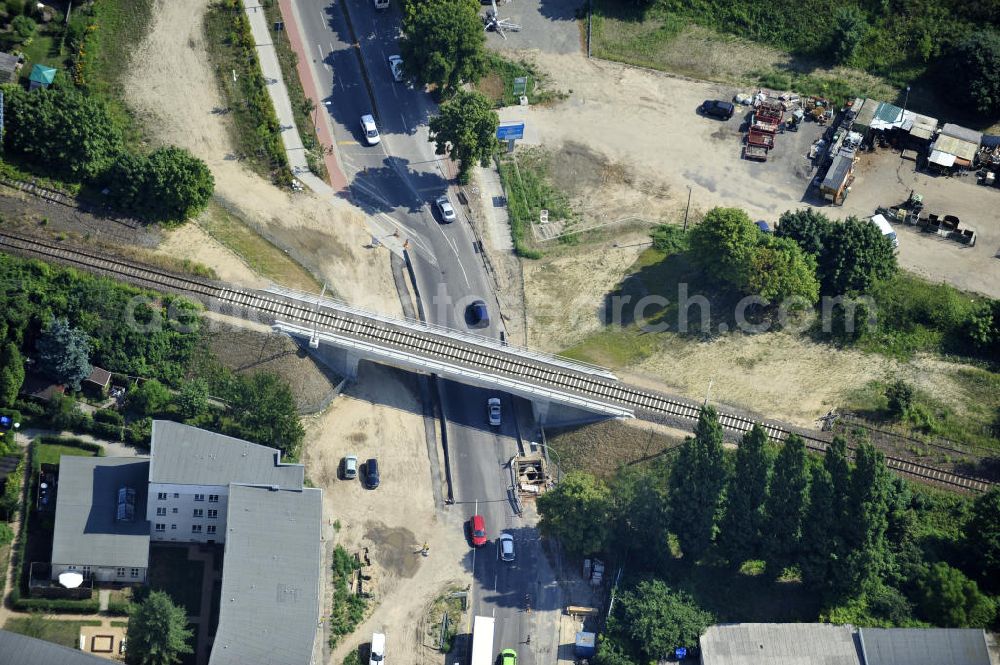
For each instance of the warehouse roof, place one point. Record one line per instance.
(270, 582)
(185, 455)
(87, 529)
(779, 644)
(924, 646)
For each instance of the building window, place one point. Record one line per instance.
(133, 572)
(199, 497)
(195, 528)
(160, 528)
(160, 512)
(212, 514)
(198, 512)
(86, 570)
(211, 528)
(173, 527)
(161, 496)
(120, 572)
(174, 511)
(70, 567)
(176, 495)
(213, 498)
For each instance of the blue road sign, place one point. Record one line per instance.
(510, 131)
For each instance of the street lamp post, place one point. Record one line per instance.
(906, 99)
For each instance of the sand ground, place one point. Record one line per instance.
(327, 237)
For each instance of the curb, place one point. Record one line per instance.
(361, 59)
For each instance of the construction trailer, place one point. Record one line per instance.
(839, 177)
(482, 641)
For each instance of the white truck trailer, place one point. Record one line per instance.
(482, 641)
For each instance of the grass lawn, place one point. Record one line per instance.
(43, 49)
(499, 82)
(49, 453)
(172, 572)
(262, 257)
(66, 633)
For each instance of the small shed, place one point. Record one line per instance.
(955, 146)
(887, 116)
(9, 65)
(866, 114)
(98, 382)
(41, 76)
(920, 127)
(838, 178)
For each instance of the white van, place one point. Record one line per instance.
(883, 225)
(381, 4)
(377, 653)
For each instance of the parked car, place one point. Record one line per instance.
(493, 411)
(445, 209)
(369, 129)
(506, 543)
(717, 109)
(477, 314)
(350, 467)
(508, 657)
(371, 473)
(477, 530)
(396, 67)
(377, 653)
(763, 226)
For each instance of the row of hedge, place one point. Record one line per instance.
(60, 412)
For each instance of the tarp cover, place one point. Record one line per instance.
(941, 158)
(70, 580)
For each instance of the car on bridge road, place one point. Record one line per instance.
(477, 530)
(477, 315)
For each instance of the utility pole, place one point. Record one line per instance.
(688, 208)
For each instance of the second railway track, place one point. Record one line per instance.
(433, 343)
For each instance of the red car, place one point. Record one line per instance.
(477, 527)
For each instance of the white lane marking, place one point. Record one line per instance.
(401, 116)
(454, 248)
(320, 50)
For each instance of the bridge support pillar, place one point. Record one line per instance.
(342, 361)
(540, 409)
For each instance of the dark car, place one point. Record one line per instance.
(477, 314)
(716, 109)
(371, 473)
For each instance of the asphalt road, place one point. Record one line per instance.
(397, 179)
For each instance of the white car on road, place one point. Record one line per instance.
(506, 545)
(369, 129)
(396, 67)
(445, 208)
(493, 408)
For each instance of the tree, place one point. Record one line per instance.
(723, 243)
(697, 479)
(466, 129)
(742, 523)
(786, 505)
(157, 631)
(778, 270)
(443, 43)
(64, 353)
(169, 184)
(947, 598)
(660, 619)
(856, 255)
(982, 538)
(899, 395)
(22, 27)
(577, 512)
(867, 520)
(11, 373)
(973, 71)
(262, 409)
(149, 398)
(808, 228)
(69, 132)
(822, 549)
(640, 513)
(850, 25)
(192, 400)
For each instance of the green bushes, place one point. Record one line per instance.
(168, 184)
(57, 606)
(528, 192)
(348, 608)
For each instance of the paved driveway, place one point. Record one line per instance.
(547, 25)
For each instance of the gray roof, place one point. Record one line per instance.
(959, 132)
(86, 530)
(185, 455)
(779, 644)
(8, 62)
(269, 609)
(25, 650)
(924, 646)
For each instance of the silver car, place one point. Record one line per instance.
(369, 129)
(493, 411)
(350, 467)
(506, 544)
(396, 67)
(444, 207)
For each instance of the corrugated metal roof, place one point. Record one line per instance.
(838, 172)
(963, 133)
(866, 114)
(924, 646)
(271, 571)
(955, 146)
(779, 644)
(941, 158)
(185, 455)
(8, 62)
(86, 531)
(24, 650)
(889, 113)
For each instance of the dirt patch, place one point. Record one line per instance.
(327, 237)
(394, 548)
(245, 350)
(192, 243)
(604, 448)
(491, 85)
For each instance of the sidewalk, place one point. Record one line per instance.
(497, 218)
(278, 93)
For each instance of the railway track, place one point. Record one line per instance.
(435, 344)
